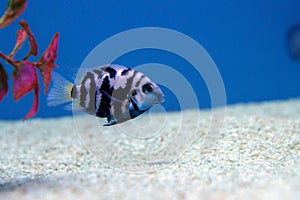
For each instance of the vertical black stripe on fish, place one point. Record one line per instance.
(112, 72)
(92, 102)
(83, 93)
(74, 92)
(98, 72)
(106, 92)
(121, 94)
(125, 71)
(83, 90)
(139, 81)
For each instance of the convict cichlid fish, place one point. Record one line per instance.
(114, 92)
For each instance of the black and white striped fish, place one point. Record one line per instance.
(114, 92)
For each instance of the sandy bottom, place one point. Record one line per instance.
(252, 153)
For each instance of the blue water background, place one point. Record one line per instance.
(246, 39)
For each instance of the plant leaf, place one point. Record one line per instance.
(14, 9)
(3, 83)
(33, 45)
(21, 36)
(24, 79)
(47, 74)
(35, 104)
(47, 61)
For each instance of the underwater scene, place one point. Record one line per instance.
(149, 99)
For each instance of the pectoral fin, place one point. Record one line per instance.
(110, 121)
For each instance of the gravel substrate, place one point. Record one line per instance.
(256, 155)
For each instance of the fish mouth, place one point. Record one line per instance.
(160, 99)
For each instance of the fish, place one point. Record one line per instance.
(111, 91)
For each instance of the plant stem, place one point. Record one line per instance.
(8, 59)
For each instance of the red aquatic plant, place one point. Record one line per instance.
(25, 78)
(14, 9)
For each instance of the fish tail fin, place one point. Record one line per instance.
(60, 92)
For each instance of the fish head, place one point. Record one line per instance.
(146, 95)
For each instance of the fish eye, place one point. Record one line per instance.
(148, 87)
